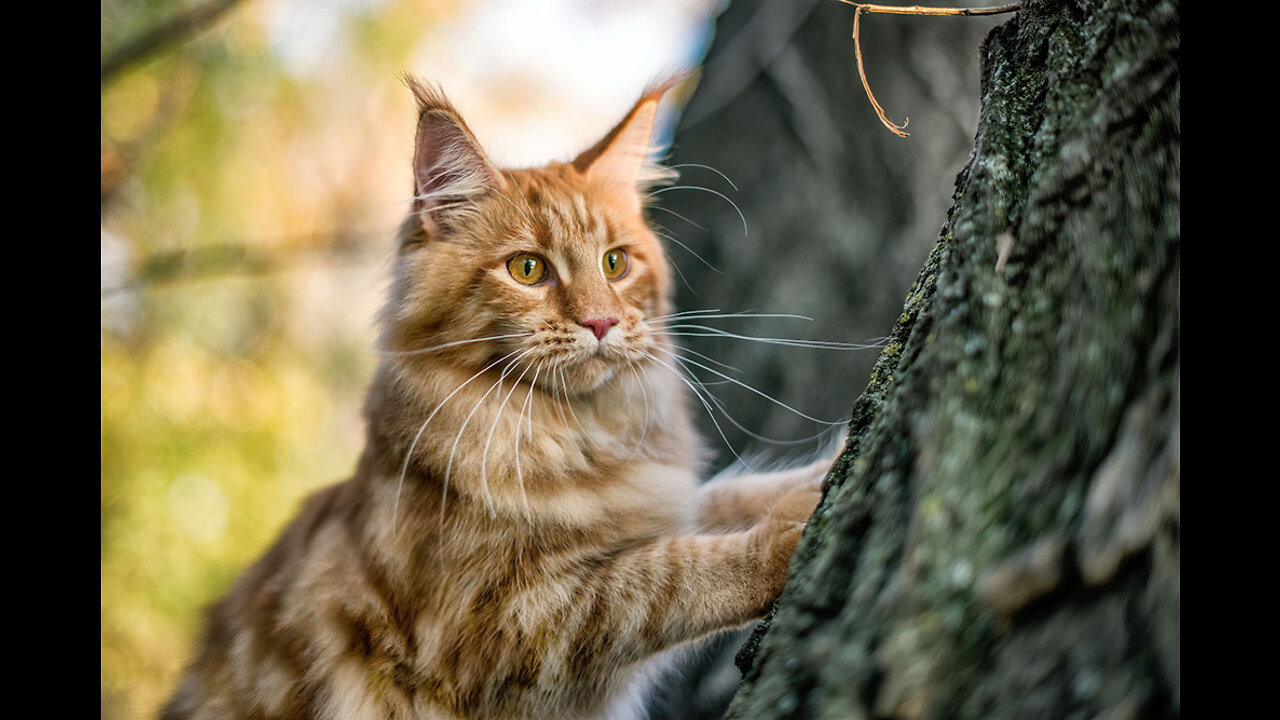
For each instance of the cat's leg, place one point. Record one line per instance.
(630, 605)
(735, 501)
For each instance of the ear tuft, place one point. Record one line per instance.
(450, 169)
(624, 156)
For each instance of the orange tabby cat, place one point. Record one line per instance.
(526, 525)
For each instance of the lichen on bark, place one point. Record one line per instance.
(1000, 537)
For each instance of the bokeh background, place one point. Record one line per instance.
(254, 167)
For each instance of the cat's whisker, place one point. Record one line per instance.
(705, 385)
(762, 394)
(497, 417)
(710, 413)
(455, 343)
(725, 411)
(717, 193)
(449, 467)
(709, 359)
(569, 404)
(647, 417)
(555, 395)
(395, 512)
(533, 385)
(676, 325)
(717, 315)
(693, 330)
(528, 512)
(682, 313)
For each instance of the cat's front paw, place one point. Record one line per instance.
(794, 508)
(781, 530)
(815, 473)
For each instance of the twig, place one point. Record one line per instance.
(167, 32)
(921, 10)
(245, 259)
(862, 73)
(859, 8)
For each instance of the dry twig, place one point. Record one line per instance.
(859, 8)
(175, 29)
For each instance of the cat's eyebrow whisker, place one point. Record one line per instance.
(717, 193)
(673, 212)
(707, 167)
(395, 512)
(455, 343)
(517, 208)
(435, 208)
(683, 279)
(701, 259)
(429, 196)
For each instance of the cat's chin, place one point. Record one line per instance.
(589, 374)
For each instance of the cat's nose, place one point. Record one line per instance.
(599, 326)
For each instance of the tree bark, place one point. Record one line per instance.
(1000, 538)
(840, 216)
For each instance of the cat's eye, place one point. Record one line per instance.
(527, 268)
(614, 263)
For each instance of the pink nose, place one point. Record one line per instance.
(599, 326)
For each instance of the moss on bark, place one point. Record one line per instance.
(1000, 538)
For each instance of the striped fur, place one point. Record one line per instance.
(525, 530)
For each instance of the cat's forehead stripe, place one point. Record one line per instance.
(568, 219)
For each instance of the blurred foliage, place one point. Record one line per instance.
(227, 399)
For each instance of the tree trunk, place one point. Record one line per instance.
(1001, 536)
(840, 216)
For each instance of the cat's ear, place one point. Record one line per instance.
(450, 170)
(623, 158)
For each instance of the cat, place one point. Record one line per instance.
(526, 527)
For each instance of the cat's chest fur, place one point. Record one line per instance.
(485, 597)
(629, 451)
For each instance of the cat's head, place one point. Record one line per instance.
(553, 269)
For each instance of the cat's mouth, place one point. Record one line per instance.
(575, 360)
(593, 365)
(598, 356)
